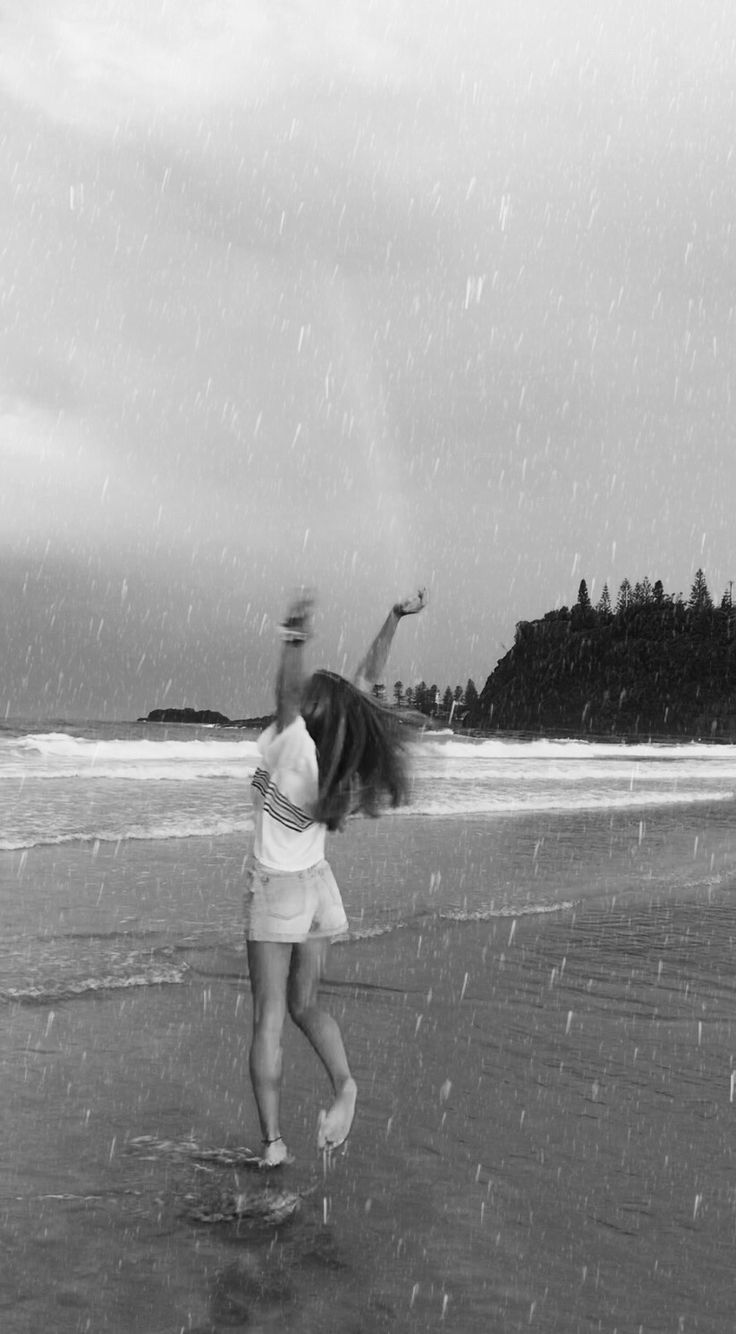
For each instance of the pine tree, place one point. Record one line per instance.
(447, 701)
(472, 702)
(642, 594)
(700, 598)
(398, 693)
(624, 597)
(420, 697)
(604, 602)
(583, 596)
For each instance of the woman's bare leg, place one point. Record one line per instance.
(268, 964)
(307, 967)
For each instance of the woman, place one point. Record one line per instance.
(331, 752)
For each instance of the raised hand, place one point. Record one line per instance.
(410, 606)
(298, 618)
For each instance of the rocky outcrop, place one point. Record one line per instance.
(205, 718)
(659, 670)
(202, 717)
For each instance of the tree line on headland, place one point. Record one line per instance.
(650, 663)
(445, 706)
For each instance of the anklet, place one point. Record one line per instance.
(267, 1142)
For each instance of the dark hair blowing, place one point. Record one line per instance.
(360, 754)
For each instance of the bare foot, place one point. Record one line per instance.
(334, 1126)
(410, 606)
(274, 1154)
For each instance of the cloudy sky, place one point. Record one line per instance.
(363, 295)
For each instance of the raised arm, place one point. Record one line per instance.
(296, 629)
(370, 668)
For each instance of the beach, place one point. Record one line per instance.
(544, 1137)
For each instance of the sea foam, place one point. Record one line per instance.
(56, 755)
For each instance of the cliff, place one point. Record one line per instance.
(662, 669)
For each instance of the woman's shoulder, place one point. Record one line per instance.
(289, 748)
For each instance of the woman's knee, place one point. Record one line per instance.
(301, 999)
(269, 1016)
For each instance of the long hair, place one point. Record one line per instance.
(360, 754)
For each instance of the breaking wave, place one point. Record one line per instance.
(55, 755)
(190, 826)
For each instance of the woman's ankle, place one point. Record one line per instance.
(275, 1153)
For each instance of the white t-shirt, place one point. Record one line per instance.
(285, 787)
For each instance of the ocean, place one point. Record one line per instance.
(183, 792)
(540, 946)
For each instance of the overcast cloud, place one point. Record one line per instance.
(366, 296)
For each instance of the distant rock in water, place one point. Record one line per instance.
(202, 716)
(205, 718)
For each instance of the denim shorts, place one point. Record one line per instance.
(292, 906)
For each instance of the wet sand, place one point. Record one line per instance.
(544, 1139)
